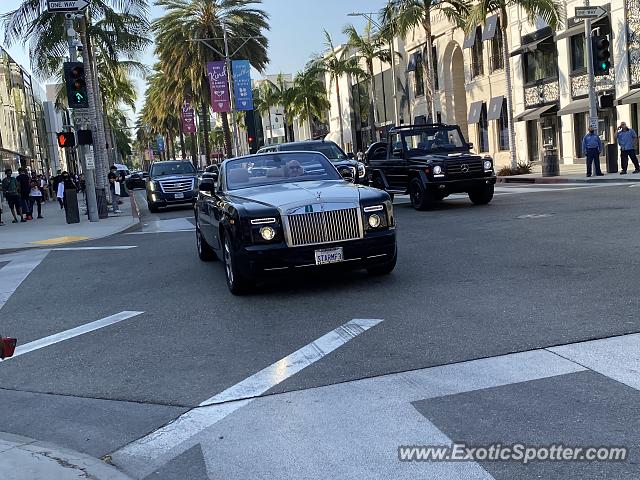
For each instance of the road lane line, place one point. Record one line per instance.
(72, 249)
(73, 332)
(173, 438)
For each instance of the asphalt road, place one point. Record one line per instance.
(539, 267)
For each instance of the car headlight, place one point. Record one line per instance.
(267, 233)
(374, 220)
(488, 165)
(376, 216)
(153, 186)
(362, 170)
(437, 170)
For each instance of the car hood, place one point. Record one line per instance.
(443, 157)
(288, 197)
(174, 177)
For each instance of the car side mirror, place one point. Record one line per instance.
(347, 174)
(470, 145)
(207, 184)
(351, 156)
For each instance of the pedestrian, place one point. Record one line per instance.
(360, 156)
(592, 147)
(114, 187)
(626, 138)
(24, 182)
(56, 188)
(11, 191)
(66, 183)
(35, 196)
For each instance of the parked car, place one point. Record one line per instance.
(329, 149)
(278, 212)
(430, 162)
(136, 180)
(171, 182)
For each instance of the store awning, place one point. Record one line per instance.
(469, 39)
(534, 113)
(529, 47)
(495, 108)
(490, 27)
(577, 106)
(474, 112)
(632, 96)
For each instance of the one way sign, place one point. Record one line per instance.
(66, 5)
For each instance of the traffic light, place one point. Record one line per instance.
(76, 82)
(66, 139)
(601, 55)
(85, 137)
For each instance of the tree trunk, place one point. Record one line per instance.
(429, 83)
(373, 114)
(270, 126)
(173, 146)
(507, 76)
(194, 151)
(340, 114)
(184, 155)
(227, 135)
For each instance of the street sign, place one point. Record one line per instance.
(589, 12)
(593, 123)
(89, 160)
(66, 5)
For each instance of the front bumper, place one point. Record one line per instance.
(162, 198)
(458, 186)
(261, 260)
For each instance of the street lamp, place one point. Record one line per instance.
(369, 17)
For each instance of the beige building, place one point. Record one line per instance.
(549, 80)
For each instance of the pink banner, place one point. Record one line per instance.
(217, 73)
(188, 119)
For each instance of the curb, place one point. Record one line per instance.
(563, 180)
(35, 460)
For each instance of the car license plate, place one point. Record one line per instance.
(179, 195)
(329, 255)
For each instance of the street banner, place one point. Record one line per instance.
(160, 143)
(217, 73)
(188, 118)
(242, 84)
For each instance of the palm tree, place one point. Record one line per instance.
(182, 56)
(264, 99)
(548, 10)
(310, 97)
(369, 47)
(336, 64)
(401, 16)
(285, 97)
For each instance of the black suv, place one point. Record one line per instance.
(329, 149)
(430, 162)
(171, 182)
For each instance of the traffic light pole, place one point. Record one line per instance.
(593, 109)
(83, 150)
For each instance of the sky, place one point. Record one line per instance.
(296, 30)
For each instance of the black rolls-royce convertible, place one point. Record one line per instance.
(278, 212)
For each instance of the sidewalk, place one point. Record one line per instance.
(23, 458)
(54, 230)
(570, 174)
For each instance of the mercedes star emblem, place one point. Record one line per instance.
(464, 168)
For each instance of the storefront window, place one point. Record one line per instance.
(483, 130)
(532, 140)
(577, 53)
(579, 131)
(503, 127)
(436, 84)
(541, 64)
(497, 56)
(419, 76)
(477, 66)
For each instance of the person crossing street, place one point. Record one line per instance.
(592, 148)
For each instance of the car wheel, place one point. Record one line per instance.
(236, 282)
(482, 195)
(205, 252)
(384, 268)
(418, 194)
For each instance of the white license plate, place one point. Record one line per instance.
(179, 195)
(329, 255)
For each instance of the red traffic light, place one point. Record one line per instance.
(66, 139)
(251, 139)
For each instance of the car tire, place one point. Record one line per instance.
(482, 195)
(205, 252)
(418, 194)
(384, 268)
(237, 283)
(153, 208)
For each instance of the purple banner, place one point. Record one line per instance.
(188, 119)
(217, 73)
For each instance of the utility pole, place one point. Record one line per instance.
(84, 150)
(593, 109)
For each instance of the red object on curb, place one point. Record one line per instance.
(7, 347)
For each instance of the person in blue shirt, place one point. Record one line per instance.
(626, 138)
(592, 147)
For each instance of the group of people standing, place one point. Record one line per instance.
(626, 138)
(25, 192)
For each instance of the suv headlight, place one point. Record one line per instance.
(437, 170)
(362, 170)
(153, 185)
(488, 165)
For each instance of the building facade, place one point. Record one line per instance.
(549, 82)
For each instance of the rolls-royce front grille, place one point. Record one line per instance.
(324, 227)
(464, 167)
(174, 186)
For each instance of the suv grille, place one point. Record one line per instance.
(324, 227)
(173, 186)
(473, 167)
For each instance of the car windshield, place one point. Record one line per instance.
(172, 168)
(328, 149)
(272, 168)
(431, 140)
